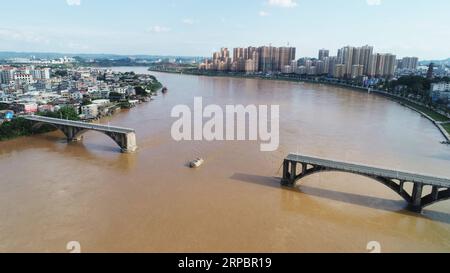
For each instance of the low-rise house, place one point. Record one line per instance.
(440, 87)
(65, 94)
(46, 108)
(76, 95)
(131, 91)
(26, 108)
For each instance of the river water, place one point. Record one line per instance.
(52, 192)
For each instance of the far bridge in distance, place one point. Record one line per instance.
(395, 180)
(74, 130)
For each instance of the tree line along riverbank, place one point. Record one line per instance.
(19, 126)
(441, 121)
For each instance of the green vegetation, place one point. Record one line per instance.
(19, 126)
(416, 85)
(64, 113)
(140, 91)
(125, 105)
(104, 62)
(116, 97)
(86, 101)
(4, 106)
(15, 128)
(154, 86)
(433, 114)
(61, 73)
(447, 127)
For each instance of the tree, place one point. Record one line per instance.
(114, 96)
(65, 112)
(86, 101)
(61, 73)
(140, 91)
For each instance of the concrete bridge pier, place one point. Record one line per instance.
(72, 133)
(416, 198)
(127, 142)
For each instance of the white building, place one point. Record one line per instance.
(7, 75)
(440, 87)
(65, 94)
(101, 102)
(90, 111)
(41, 73)
(23, 78)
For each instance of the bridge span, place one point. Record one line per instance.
(395, 180)
(74, 130)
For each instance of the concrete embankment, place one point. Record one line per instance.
(435, 122)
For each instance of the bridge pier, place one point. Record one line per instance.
(416, 198)
(435, 193)
(71, 133)
(395, 180)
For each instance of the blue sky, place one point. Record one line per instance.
(198, 27)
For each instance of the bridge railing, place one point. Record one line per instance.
(81, 124)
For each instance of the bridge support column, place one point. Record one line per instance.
(285, 180)
(416, 201)
(304, 168)
(71, 133)
(128, 143)
(402, 187)
(435, 193)
(293, 172)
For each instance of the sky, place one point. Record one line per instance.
(199, 27)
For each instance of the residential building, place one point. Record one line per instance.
(90, 111)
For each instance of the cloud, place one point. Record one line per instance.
(263, 13)
(188, 21)
(158, 29)
(26, 36)
(373, 2)
(73, 2)
(283, 3)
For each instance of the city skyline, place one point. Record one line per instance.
(350, 62)
(196, 28)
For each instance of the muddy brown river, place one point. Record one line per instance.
(52, 192)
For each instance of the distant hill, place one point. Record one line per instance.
(53, 55)
(436, 62)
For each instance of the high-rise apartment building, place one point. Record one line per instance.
(222, 60)
(366, 53)
(274, 59)
(287, 54)
(345, 57)
(385, 65)
(7, 74)
(265, 59)
(323, 53)
(390, 64)
(409, 63)
(350, 62)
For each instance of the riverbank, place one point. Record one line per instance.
(435, 117)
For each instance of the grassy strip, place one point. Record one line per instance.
(447, 127)
(434, 115)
